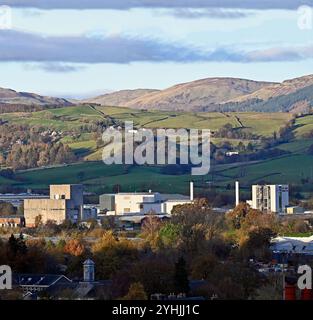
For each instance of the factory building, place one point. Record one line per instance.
(12, 221)
(65, 203)
(17, 199)
(271, 198)
(142, 202)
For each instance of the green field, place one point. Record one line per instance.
(259, 123)
(65, 119)
(263, 124)
(99, 177)
(285, 169)
(84, 145)
(304, 125)
(297, 146)
(291, 168)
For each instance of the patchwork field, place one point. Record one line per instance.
(84, 144)
(292, 168)
(73, 117)
(259, 123)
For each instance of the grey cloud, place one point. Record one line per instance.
(280, 54)
(55, 67)
(58, 54)
(128, 4)
(219, 13)
(19, 46)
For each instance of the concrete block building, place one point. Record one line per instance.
(65, 203)
(271, 198)
(142, 202)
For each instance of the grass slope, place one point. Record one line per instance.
(99, 178)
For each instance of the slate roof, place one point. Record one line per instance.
(42, 280)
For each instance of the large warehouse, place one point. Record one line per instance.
(142, 202)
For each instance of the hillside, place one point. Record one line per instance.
(191, 96)
(197, 95)
(79, 127)
(120, 98)
(279, 89)
(300, 101)
(295, 96)
(206, 95)
(9, 96)
(220, 94)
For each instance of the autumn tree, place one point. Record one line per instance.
(136, 292)
(199, 224)
(112, 254)
(258, 243)
(237, 216)
(74, 247)
(150, 229)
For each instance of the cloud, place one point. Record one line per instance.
(274, 54)
(128, 4)
(217, 13)
(55, 67)
(19, 46)
(68, 53)
(280, 54)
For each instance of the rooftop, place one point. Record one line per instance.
(44, 280)
(137, 193)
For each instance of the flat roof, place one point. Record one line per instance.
(11, 217)
(138, 193)
(174, 196)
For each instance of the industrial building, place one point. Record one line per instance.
(142, 202)
(12, 221)
(293, 245)
(271, 198)
(65, 203)
(17, 199)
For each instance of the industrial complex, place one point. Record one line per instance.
(66, 202)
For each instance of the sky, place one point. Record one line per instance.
(80, 48)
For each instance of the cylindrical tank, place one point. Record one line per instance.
(290, 292)
(306, 294)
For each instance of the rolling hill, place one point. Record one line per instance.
(99, 178)
(192, 96)
(9, 96)
(278, 89)
(120, 98)
(206, 95)
(220, 94)
(295, 96)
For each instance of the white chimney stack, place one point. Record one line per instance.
(191, 191)
(237, 193)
